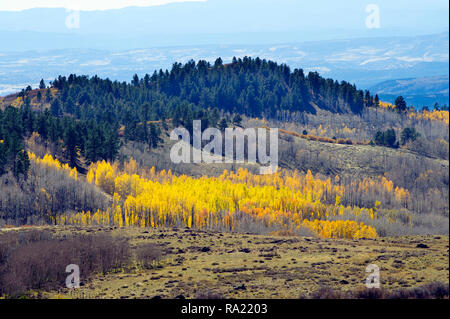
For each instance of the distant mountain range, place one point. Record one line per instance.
(417, 91)
(364, 61)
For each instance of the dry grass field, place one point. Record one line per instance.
(205, 264)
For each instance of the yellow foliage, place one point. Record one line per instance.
(50, 162)
(340, 229)
(102, 173)
(286, 200)
(281, 199)
(17, 102)
(386, 105)
(435, 115)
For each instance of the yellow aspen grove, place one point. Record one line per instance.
(52, 163)
(435, 115)
(90, 176)
(340, 229)
(104, 177)
(281, 200)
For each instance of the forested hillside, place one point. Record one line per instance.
(86, 113)
(66, 151)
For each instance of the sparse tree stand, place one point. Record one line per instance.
(387, 138)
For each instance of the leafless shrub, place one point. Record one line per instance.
(244, 223)
(436, 148)
(432, 290)
(46, 190)
(410, 224)
(326, 293)
(38, 260)
(148, 254)
(208, 294)
(302, 232)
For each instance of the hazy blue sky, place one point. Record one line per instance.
(18, 5)
(228, 15)
(210, 21)
(419, 5)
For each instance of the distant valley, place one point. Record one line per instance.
(365, 62)
(425, 91)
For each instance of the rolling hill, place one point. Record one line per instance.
(416, 91)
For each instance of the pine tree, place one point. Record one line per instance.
(22, 164)
(408, 134)
(55, 108)
(93, 145)
(111, 144)
(154, 133)
(135, 81)
(400, 104)
(3, 155)
(387, 138)
(42, 125)
(218, 63)
(70, 144)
